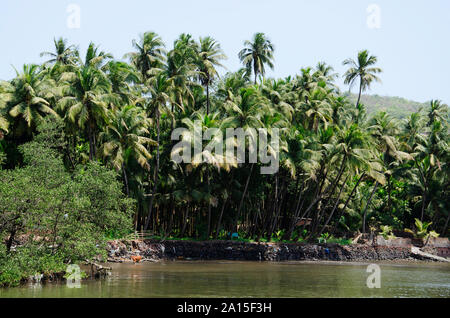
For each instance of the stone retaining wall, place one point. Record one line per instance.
(229, 250)
(439, 246)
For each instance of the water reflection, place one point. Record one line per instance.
(253, 279)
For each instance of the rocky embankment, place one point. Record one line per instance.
(152, 250)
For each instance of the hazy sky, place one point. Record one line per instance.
(412, 42)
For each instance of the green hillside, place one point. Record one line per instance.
(396, 106)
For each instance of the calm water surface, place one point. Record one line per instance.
(253, 279)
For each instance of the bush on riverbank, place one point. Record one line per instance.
(50, 217)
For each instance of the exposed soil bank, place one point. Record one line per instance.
(120, 251)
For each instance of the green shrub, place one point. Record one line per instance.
(60, 217)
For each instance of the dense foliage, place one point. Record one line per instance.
(50, 217)
(340, 169)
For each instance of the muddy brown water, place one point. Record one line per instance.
(253, 279)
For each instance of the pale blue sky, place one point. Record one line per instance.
(412, 45)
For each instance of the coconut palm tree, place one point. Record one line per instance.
(384, 130)
(122, 76)
(437, 111)
(159, 87)
(209, 56)
(363, 70)
(245, 111)
(95, 58)
(230, 84)
(125, 138)
(29, 96)
(208, 157)
(257, 54)
(149, 55)
(317, 108)
(279, 93)
(354, 146)
(325, 72)
(86, 95)
(64, 54)
(182, 70)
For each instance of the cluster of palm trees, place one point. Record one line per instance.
(340, 169)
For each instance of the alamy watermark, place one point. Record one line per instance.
(237, 141)
(73, 276)
(374, 279)
(74, 18)
(374, 18)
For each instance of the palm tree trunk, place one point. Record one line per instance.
(334, 207)
(389, 195)
(367, 205)
(219, 221)
(220, 218)
(293, 221)
(333, 187)
(283, 192)
(348, 200)
(207, 170)
(185, 221)
(155, 176)
(444, 230)
(423, 206)
(207, 98)
(91, 141)
(243, 194)
(360, 91)
(271, 219)
(208, 231)
(125, 178)
(298, 208)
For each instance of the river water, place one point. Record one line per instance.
(253, 279)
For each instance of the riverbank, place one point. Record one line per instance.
(154, 250)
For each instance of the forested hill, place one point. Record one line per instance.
(396, 106)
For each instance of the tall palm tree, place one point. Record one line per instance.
(122, 75)
(245, 111)
(181, 68)
(30, 92)
(257, 54)
(279, 93)
(94, 57)
(354, 146)
(384, 129)
(363, 70)
(437, 111)
(150, 54)
(87, 94)
(230, 84)
(208, 153)
(124, 138)
(209, 57)
(317, 108)
(325, 72)
(160, 87)
(64, 54)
